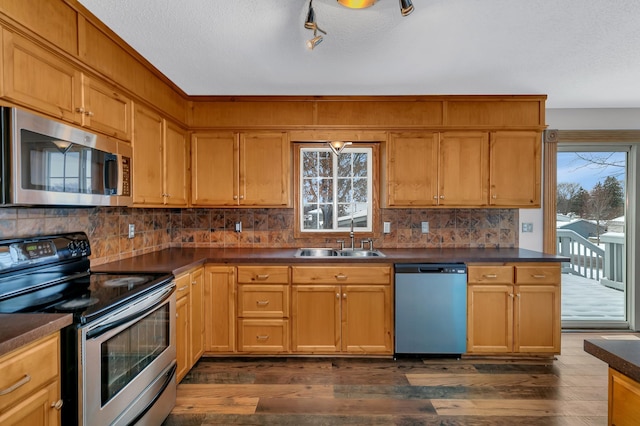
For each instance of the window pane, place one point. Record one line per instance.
(344, 164)
(360, 190)
(310, 191)
(344, 190)
(326, 164)
(309, 164)
(326, 190)
(360, 164)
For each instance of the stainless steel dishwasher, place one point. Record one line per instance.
(431, 308)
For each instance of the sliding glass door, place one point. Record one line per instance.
(591, 229)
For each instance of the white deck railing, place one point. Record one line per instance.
(586, 258)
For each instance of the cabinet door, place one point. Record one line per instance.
(219, 308)
(35, 78)
(489, 318)
(412, 161)
(147, 157)
(624, 400)
(197, 315)
(537, 319)
(214, 174)
(515, 169)
(182, 337)
(36, 409)
(176, 167)
(264, 169)
(463, 171)
(366, 318)
(315, 318)
(105, 109)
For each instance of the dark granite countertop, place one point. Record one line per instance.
(178, 260)
(17, 330)
(621, 355)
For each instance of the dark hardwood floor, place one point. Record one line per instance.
(570, 390)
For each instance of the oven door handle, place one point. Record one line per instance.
(167, 381)
(132, 312)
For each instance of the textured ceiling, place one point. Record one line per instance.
(581, 53)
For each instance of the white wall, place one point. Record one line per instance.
(575, 119)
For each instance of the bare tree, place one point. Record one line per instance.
(567, 192)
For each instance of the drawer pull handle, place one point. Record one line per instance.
(262, 337)
(539, 276)
(262, 302)
(26, 379)
(341, 277)
(490, 276)
(57, 405)
(183, 288)
(262, 277)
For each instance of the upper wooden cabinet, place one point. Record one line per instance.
(160, 167)
(38, 79)
(515, 169)
(437, 169)
(464, 169)
(105, 110)
(240, 169)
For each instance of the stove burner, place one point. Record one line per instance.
(78, 303)
(123, 281)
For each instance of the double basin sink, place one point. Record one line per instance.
(333, 253)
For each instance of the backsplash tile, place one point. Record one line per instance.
(156, 229)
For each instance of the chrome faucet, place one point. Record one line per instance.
(352, 235)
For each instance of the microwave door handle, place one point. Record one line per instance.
(111, 174)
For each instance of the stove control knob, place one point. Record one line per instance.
(72, 245)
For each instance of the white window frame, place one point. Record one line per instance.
(367, 150)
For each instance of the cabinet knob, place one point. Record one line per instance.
(80, 110)
(89, 113)
(242, 197)
(435, 197)
(442, 197)
(235, 197)
(344, 295)
(494, 196)
(57, 405)
(194, 282)
(337, 295)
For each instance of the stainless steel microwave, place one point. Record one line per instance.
(46, 162)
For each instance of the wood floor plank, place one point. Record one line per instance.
(493, 407)
(195, 392)
(345, 406)
(483, 380)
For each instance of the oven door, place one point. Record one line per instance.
(128, 363)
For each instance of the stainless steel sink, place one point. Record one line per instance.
(360, 253)
(327, 252)
(316, 252)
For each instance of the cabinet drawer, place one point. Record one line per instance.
(263, 274)
(256, 335)
(341, 275)
(183, 285)
(490, 274)
(34, 365)
(263, 301)
(538, 274)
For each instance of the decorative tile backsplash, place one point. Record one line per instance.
(156, 229)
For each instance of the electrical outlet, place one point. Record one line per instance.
(386, 227)
(425, 227)
(527, 227)
(238, 226)
(132, 230)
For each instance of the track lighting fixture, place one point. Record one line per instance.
(337, 146)
(406, 7)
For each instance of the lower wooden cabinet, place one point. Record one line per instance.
(624, 400)
(30, 384)
(189, 320)
(263, 309)
(338, 309)
(220, 309)
(513, 308)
